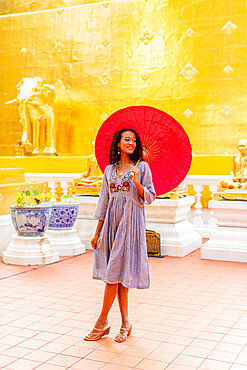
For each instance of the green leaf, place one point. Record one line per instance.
(28, 187)
(35, 192)
(27, 193)
(19, 198)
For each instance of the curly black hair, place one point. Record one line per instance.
(135, 156)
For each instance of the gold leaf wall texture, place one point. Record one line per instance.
(186, 58)
(22, 6)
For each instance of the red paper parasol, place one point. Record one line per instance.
(166, 145)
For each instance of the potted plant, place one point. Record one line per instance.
(30, 216)
(63, 213)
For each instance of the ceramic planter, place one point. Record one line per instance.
(63, 216)
(30, 221)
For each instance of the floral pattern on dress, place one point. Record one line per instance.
(125, 183)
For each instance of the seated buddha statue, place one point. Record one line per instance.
(239, 169)
(93, 176)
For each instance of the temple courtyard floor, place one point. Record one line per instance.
(193, 317)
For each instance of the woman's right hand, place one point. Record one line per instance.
(94, 241)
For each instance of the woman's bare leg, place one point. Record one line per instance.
(123, 302)
(109, 297)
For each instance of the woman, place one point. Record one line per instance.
(120, 256)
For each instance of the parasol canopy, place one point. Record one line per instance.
(166, 145)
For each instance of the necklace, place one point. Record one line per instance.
(122, 171)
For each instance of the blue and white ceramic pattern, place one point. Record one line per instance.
(63, 216)
(30, 221)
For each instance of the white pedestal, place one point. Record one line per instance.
(66, 242)
(169, 218)
(165, 216)
(229, 240)
(30, 251)
(6, 232)
(86, 223)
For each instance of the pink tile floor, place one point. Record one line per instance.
(193, 317)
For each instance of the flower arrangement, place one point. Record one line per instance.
(36, 212)
(68, 199)
(31, 213)
(26, 198)
(50, 198)
(33, 198)
(53, 198)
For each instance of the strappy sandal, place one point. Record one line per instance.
(97, 334)
(123, 334)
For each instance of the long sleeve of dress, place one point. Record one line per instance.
(103, 201)
(147, 183)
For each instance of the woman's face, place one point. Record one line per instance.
(127, 143)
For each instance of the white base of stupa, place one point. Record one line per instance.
(30, 251)
(86, 223)
(66, 242)
(228, 242)
(169, 218)
(177, 240)
(86, 231)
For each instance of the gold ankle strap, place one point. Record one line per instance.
(96, 329)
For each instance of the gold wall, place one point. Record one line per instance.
(22, 6)
(186, 58)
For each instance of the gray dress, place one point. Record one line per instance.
(121, 253)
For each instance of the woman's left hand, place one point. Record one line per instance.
(134, 171)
